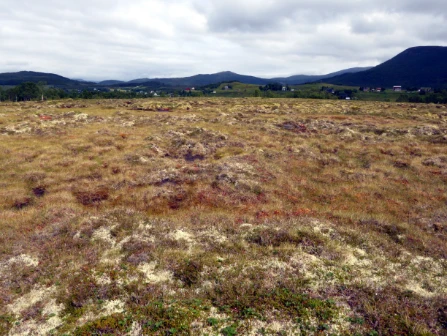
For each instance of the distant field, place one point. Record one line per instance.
(307, 90)
(387, 96)
(215, 216)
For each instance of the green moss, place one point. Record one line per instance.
(6, 323)
(169, 317)
(394, 312)
(229, 331)
(189, 272)
(212, 321)
(116, 324)
(252, 301)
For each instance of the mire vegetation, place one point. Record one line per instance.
(223, 217)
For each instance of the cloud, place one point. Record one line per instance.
(376, 23)
(100, 39)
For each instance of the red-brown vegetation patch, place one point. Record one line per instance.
(92, 196)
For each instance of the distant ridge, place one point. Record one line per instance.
(110, 82)
(202, 79)
(301, 79)
(414, 67)
(228, 76)
(16, 78)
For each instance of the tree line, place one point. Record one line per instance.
(40, 91)
(438, 96)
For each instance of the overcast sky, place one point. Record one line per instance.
(121, 39)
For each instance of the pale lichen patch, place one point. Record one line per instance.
(51, 311)
(26, 301)
(416, 288)
(80, 116)
(213, 235)
(321, 228)
(275, 327)
(135, 329)
(31, 327)
(103, 280)
(108, 308)
(112, 307)
(153, 275)
(52, 308)
(104, 234)
(112, 255)
(182, 235)
(246, 226)
(25, 259)
(356, 257)
(143, 226)
(200, 327)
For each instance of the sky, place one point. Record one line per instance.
(121, 39)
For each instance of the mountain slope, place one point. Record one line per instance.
(200, 80)
(228, 76)
(301, 79)
(418, 66)
(16, 78)
(151, 84)
(110, 82)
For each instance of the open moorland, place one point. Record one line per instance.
(223, 217)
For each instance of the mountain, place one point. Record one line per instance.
(350, 70)
(138, 81)
(201, 80)
(228, 76)
(197, 80)
(301, 79)
(110, 82)
(82, 80)
(15, 78)
(151, 85)
(414, 67)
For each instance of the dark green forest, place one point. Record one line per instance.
(31, 91)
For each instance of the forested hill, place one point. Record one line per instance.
(16, 78)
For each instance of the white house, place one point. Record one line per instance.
(397, 88)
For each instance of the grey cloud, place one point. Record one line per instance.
(373, 25)
(433, 7)
(101, 39)
(252, 16)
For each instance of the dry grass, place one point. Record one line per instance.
(223, 217)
